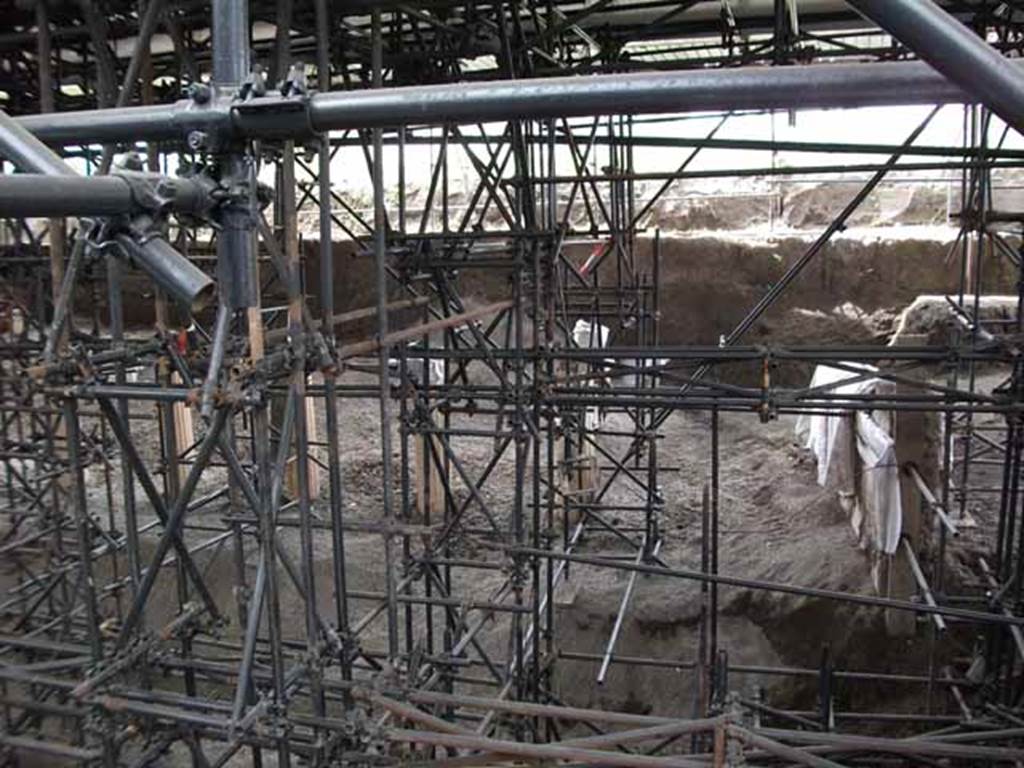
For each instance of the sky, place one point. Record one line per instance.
(878, 125)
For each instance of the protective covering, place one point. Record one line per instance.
(866, 479)
(590, 335)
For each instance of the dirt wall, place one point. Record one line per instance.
(707, 285)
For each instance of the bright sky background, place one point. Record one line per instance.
(876, 125)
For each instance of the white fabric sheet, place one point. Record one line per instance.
(870, 478)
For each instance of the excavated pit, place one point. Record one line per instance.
(777, 524)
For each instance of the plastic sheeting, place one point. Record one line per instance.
(590, 335)
(856, 455)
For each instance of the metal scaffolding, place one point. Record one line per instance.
(168, 496)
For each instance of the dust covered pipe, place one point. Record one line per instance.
(27, 152)
(34, 195)
(55, 188)
(124, 193)
(954, 50)
(812, 86)
(175, 274)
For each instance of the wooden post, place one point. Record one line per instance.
(184, 429)
(718, 761)
(313, 468)
(428, 477)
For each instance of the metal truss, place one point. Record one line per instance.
(172, 500)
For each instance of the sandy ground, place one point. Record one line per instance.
(776, 525)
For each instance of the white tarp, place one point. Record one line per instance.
(869, 482)
(423, 372)
(590, 335)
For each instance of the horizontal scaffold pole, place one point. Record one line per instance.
(814, 86)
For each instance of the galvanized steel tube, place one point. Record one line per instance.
(954, 50)
(811, 86)
(38, 195)
(27, 152)
(814, 86)
(182, 279)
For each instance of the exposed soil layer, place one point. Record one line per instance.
(777, 525)
(709, 282)
(848, 294)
